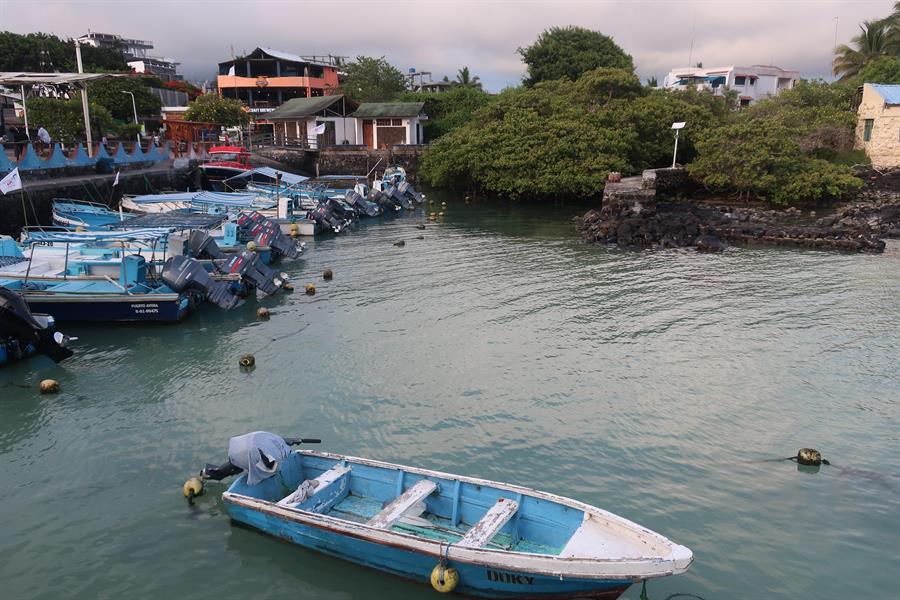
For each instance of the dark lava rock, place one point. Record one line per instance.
(709, 243)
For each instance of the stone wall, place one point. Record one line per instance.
(359, 160)
(665, 181)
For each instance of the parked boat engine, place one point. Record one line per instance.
(406, 189)
(201, 245)
(325, 220)
(23, 333)
(266, 233)
(402, 199)
(362, 206)
(387, 203)
(186, 274)
(253, 272)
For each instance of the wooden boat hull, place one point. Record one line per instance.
(475, 579)
(341, 518)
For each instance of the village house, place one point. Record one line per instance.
(878, 124)
(265, 79)
(386, 124)
(314, 122)
(751, 83)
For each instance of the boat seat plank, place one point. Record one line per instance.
(490, 524)
(311, 488)
(394, 511)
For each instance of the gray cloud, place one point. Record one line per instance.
(442, 36)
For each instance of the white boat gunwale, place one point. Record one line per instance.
(575, 567)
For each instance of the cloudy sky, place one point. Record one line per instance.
(443, 35)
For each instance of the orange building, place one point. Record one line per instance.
(266, 78)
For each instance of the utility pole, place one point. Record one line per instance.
(84, 102)
(834, 49)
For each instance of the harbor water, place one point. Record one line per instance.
(654, 384)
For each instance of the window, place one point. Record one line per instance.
(745, 101)
(867, 130)
(741, 80)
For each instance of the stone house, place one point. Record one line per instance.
(878, 124)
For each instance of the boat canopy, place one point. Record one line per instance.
(176, 219)
(204, 197)
(286, 178)
(149, 234)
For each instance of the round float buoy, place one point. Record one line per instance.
(443, 204)
(251, 246)
(295, 230)
(327, 275)
(420, 237)
(262, 312)
(49, 386)
(420, 226)
(443, 578)
(192, 488)
(247, 360)
(310, 289)
(810, 457)
(400, 244)
(441, 214)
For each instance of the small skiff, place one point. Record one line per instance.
(467, 535)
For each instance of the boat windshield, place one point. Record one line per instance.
(230, 156)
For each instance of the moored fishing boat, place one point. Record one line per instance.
(477, 537)
(225, 162)
(81, 213)
(24, 334)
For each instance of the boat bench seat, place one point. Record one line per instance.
(403, 503)
(482, 532)
(321, 493)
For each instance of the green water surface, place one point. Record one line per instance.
(649, 383)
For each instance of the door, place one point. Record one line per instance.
(328, 138)
(368, 133)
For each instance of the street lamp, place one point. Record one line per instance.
(677, 127)
(134, 106)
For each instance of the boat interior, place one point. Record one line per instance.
(445, 509)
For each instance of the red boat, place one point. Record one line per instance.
(225, 162)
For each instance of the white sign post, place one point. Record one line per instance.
(677, 127)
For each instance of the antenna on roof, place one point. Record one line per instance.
(693, 30)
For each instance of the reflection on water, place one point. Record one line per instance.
(648, 383)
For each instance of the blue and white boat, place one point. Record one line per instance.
(84, 214)
(473, 536)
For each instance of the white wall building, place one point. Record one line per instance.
(751, 83)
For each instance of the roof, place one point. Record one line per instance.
(284, 56)
(20, 78)
(389, 109)
(890, 93)
(303, 107)
(287, 178)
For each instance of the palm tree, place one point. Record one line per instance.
(874, 40)
(464, 78)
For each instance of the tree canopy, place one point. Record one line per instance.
(41, 52)
(449, 110)
(569, 52)
(109, 93)
(64, 119)
(371, 79)
(212, 108)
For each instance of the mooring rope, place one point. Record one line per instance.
(280, 337)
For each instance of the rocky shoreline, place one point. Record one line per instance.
(673, 224)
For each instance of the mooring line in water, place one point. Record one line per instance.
(280, 337)
(644, 595)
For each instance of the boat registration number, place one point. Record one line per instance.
(145, 309)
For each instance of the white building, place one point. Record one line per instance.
(135, 52)
(385, 124)
(751, 83)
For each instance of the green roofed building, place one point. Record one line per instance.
(314, 122)
(386, 124)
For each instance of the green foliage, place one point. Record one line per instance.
(109, 93)
(450, 110)
(760, 157)
(569, 52)
(127, 131)
(463, 77)
(372, 79)
(883, 69)
(212, 108)
(64, 119)
(190, 89)
(41, 52)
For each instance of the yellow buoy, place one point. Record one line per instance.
(192, 488)
(443, 204)
(441, 214)
(295, 230)
(443, 578)
(79, 229)
(251, 246)
(310, 289)
(49, 386)
(247, 360)
(327, 274)
(262, 312)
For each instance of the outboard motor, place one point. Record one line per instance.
(202, 245)
(19, 329)
(406, 189)
(362, 206)
(402, 199)
(252, 271)
(268, 234)
(325, 220)
(341, 210)
(387, 203)
(184, 274)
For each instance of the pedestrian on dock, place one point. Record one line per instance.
(43, 139)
